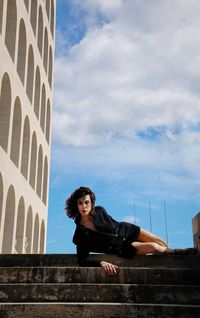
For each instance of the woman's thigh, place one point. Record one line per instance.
(146, 236)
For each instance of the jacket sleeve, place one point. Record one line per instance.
(83, 257)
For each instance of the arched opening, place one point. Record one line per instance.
(1, 198)
(42, 237)
(45, 181)
(47, 7)
(34, 15)
(52, 18)
(39, 171)
(26, 4)
(50, 67)
(25, 148)
(43, 107)
(40, 31)
(33, 161)
(48, 121)
(20, 227)
(45, 55)
(29, 229)
(9, 222)
(30, 74)
(21, 59)
(1, 15)
(11, 26)
(36, 235)
(37, 93)
(5, 107)
(16, 132)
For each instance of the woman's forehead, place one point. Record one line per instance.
(84, 198)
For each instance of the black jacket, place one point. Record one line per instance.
(110, 237)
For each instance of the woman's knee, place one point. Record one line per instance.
(158, 248)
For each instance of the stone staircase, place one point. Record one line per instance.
(53, 286)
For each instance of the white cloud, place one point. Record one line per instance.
(122, 79)
(135, 70)
(131, 219)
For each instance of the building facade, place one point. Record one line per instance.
(27, 32)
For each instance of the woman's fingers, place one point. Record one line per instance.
(110, 268)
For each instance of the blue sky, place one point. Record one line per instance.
(126, 114)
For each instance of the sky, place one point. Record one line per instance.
(126, 114)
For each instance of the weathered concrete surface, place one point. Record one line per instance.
(53, 286)
(106, 293)
(97, 311)
(196, 230)
(127, 275)
(64, 260)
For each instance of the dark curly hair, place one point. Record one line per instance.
(71, 206)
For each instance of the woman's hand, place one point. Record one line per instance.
(109, 268)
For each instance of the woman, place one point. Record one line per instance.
(96, 231)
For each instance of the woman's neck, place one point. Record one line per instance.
(87, 222)
(85, 219)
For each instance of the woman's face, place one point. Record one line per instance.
(84, 205)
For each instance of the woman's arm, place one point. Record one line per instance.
(83, 255)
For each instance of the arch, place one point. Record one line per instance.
(33, 161)
(45, 54)
(42, 237)
(29, 229)
(1, 198)
(25, 148)
(36, 234)
(43, 107)
(20, 227)
(40, 31)
(1, 15)
(34, 5)
(39, 171)
(50, 67)
(16, 132)
(52, 18)
(45, 180)
(21, 59)
(48, 121)
(30, 74)
(5, 108)
(11, 26)
(9, 222)
(26, 4)
(37, 93)
(47, 7)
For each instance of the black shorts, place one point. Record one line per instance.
(128, 250)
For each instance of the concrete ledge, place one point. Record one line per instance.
(128, 275)
(118, 310)
(106, 293)
(69, 260)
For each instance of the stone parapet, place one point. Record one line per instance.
(196, 230)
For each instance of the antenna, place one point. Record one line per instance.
(150, 217)
(166, 230)
(134, 213)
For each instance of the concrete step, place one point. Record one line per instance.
(93, 293)
(127, 275)
(100, 310)
(64, 260)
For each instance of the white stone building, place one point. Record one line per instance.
(27, 31)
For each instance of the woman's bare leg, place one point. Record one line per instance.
(148, 248)
(149, 243)
(146, 236)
